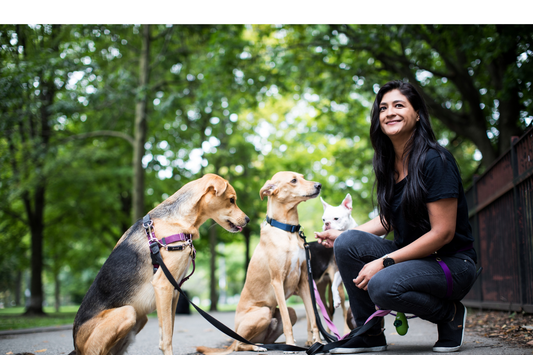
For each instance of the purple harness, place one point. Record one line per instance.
(155, 244)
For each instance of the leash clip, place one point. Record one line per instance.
(148, 224)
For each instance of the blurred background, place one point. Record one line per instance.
(100, 123)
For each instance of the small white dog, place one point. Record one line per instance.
(340, 218)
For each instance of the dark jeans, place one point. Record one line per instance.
(415, 286)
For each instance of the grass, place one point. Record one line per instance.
(13, 318)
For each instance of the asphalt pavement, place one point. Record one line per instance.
(193, 330)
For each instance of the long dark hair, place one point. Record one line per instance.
(422, 139)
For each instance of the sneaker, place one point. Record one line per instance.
(364, 343)
(451, 334)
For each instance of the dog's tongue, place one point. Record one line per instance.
(239, 228)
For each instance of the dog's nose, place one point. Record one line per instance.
(318, 186)
(247, 220)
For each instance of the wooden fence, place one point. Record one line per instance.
(501, 215)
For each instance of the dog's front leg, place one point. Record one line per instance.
(337, 281)
(164, 292)
(175, 299)
(312, 329)
(284, 312)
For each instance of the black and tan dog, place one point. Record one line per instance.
(277, 270)
(126, 289)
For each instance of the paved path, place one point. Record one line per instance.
(193, 330)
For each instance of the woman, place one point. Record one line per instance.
(421, 198)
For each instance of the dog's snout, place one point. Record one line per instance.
(318, 186)
(246, 219)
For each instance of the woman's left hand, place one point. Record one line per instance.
(367, 272)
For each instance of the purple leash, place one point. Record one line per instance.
(330, 324)
(449, 284)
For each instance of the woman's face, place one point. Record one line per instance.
(397, 117)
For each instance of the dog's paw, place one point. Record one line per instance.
(259, 349)
(336, 301)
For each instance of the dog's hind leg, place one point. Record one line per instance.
(110, 329)
(254, 327)
(275, 329)
(141, 322)
(122, 346)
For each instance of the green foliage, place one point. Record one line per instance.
(240, 101)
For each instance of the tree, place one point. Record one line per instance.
(475, 79)
(30, 76)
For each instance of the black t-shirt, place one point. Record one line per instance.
(442, 180)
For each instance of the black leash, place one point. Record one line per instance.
(292, 229)
(316, 347)
(216, 323)
(331, 339)
(157, 261)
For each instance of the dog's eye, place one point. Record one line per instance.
(293, 181)
(336, 218)
(232, 200)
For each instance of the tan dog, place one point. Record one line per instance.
(126, 289)
(277, 270)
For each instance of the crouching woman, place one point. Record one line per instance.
(430, 265)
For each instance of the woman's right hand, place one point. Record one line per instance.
(327, 237)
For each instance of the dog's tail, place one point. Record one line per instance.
(215, 351)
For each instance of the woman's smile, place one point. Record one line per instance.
(397, 116)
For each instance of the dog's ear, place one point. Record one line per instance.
(324, 204)
(347, 202)
(268, 189)
(218, 184)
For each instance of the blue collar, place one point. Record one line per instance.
(286, 227)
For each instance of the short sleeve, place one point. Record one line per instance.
(441, 178)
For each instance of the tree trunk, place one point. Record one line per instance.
(140, 129)
(36, 215)
(57, 292)
(213, 294)
(35, 305)
(18, 288)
